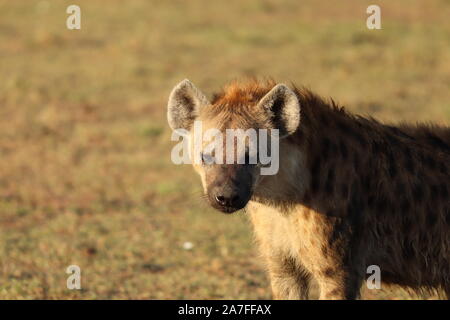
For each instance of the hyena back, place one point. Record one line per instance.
(350, 192)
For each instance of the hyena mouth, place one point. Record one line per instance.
(228, 210)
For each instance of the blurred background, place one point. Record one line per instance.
(85, 170)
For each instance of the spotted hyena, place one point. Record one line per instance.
(350, 191)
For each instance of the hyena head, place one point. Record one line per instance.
(230, 162)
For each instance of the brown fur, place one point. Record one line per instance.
(351, 192)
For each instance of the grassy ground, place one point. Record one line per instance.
(85, 171)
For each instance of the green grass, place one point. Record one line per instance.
(85, 170)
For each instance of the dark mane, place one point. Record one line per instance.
(325, 114)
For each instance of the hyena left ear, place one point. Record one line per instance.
(184, 104)
(283, 108)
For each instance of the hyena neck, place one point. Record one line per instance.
(339, 164)
(308, 158)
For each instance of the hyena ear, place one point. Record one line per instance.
(184, 104)
(283, 109)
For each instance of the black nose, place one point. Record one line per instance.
(231, 200)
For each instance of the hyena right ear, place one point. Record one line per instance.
(185, 101)
(283, 109)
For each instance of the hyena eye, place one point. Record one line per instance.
(207, 159)
(251, 159)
